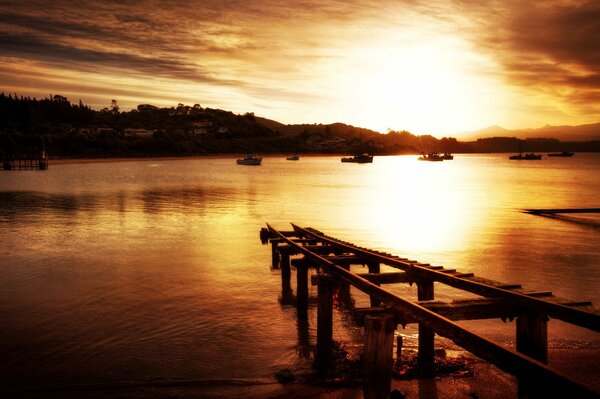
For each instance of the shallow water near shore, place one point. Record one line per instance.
(151, 271)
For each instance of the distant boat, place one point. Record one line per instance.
(432, 157)
(250, 159)
(293, 158)
(362, 158)
(526, 157)
(561, 154)
(447, 156)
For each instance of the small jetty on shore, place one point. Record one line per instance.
(26, 163)
(332, 259)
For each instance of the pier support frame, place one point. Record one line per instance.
(274, 254)
(302, 289)
(378, 355)
(326, 289)
(532, 340)
(285, 265)
(374, 268)
(425, 356)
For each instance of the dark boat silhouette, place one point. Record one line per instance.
(250, 159)
(561, 154)
(432, 157)
(362, 158)
(530, 156)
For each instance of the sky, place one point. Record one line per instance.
(429, 67)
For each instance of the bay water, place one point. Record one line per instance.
(150, 273)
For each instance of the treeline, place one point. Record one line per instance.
(76, 130)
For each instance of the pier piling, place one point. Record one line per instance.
(426, 334)
(326, 289)
(302, 289)
(378, 359)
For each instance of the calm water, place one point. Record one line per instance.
(117, 276)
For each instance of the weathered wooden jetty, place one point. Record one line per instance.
(25, 164)
(561, 211)
(332, 259)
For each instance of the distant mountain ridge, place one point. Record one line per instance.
(588, 132)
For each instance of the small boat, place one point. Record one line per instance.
(362, 158)
(432, 157)
(530, 156)
(447, 156)
(293, 158)
(561, 154)
(250, 159)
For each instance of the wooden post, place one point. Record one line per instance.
(532, 340)
(302, 289)
(374, 267)
(274, 255)
(287, 296)
(399, 344)
(426, 334)
(378, 356)
(285, 268)
(325, 323)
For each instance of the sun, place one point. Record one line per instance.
(435, 86)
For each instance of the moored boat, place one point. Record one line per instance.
(561, 154)
(447, 156)
(362, 158)
(530, 156)
(293, 158)
(250, 159)
(432, 157)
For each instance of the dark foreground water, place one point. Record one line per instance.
(121, 276)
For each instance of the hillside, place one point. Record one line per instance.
(589, 132)
(75, 130)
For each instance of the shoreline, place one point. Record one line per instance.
(76, 160)
(485, 381)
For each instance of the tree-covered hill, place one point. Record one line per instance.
(65, 129)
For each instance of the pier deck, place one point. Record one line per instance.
(531, 310)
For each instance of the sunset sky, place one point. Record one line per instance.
(430, 67)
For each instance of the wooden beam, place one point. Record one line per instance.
(386, 278)
(347, 259)
(471, 309)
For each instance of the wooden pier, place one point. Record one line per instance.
(332, 259)
(25, 164)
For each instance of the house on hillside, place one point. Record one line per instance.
(330, 144)
(130, 132)
(146, 107)
(202, 123)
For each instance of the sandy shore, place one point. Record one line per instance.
(486, 381)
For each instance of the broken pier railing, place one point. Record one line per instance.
(333, 257)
